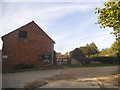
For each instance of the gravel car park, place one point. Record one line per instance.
(66, 77)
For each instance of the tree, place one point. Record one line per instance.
(86, 50)
(104, 52)
(90, 49)
(109, 17)
(109, 51)
(93, 48)
(66, 55)
(114, 46)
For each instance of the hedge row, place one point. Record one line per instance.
(106, 60)
(25, 66)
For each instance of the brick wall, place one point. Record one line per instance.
(26, 50)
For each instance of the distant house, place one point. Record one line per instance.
(75, 61)
(77, 57)
(58, 56)
(28, 44)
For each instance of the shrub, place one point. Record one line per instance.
(106, 60)
(24, 66)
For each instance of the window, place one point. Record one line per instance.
(46, 57)
(22, 34)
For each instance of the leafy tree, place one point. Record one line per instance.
(93, 48)
(89, 49)
(109, 51)
(66, 55)
(85, 50)
(114, 46)
(109, 17)
(104, 52)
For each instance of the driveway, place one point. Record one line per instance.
(18, 80)
(57, 78)
(87, 77)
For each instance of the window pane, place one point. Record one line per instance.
(22, 34)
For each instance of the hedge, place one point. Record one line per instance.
(106, 60)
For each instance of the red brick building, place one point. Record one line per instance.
(58, 56)
(28, 44)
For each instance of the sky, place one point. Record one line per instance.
(69, 23)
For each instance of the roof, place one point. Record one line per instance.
(32, 22)
(58, 55)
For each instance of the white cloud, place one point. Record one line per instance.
(43, 16)
(15, 16)
(102, 40)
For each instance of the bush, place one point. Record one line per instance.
(24, 66)
(87, 60)
(106, 60)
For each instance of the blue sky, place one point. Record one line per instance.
(70, 24)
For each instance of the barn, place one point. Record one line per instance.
(28, 44)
